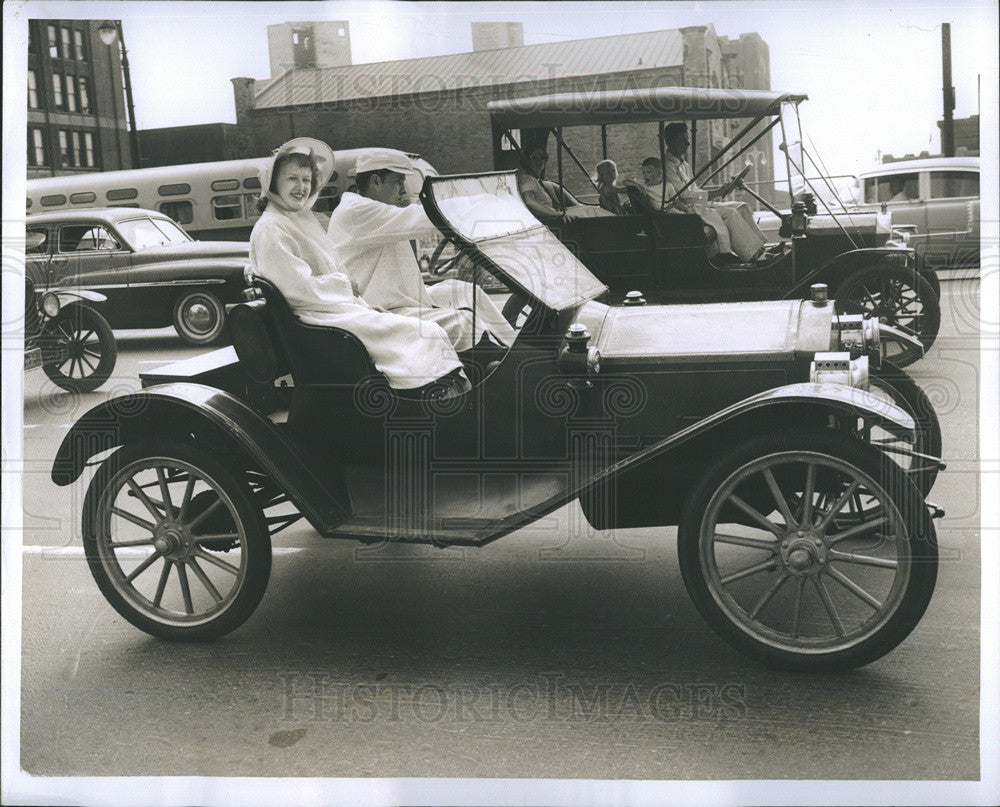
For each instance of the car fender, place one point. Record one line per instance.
(211, 417)
(68, 296)
(837, 268)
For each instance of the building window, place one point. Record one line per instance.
(32, 90)
(181, 211)
(81, 53)
(70, 93)
(84, 93)
(77, 149)
(88, 149)
(67, 50)
(63, 147)
(57, 91)
(36, 147)
(53, 42)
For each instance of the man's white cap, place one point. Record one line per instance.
(378, 159)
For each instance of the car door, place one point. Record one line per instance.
(900, 195)
(91, 255)
(953, 217)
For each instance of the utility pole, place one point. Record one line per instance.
(948, 123)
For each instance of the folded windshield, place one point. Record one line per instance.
(486, 213)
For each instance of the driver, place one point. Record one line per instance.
(371, 232)
(289, 248)
(732, 221)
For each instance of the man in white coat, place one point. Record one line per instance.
(371, 231)
(732, 221)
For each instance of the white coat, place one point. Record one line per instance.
(372, 240)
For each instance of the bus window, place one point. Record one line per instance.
(82, 198)
(117, 194)
(227, 208)
(226, 185)
(251, 182)
(54, 200)
(29, 203)
(178, 189)
(181, 210)
(327, 199)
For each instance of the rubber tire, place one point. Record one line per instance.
(81, 318)
(193, 337)
(846, 296)
(868, 459)
(258, 541)
(909, 396)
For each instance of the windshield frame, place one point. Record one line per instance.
(123, 227)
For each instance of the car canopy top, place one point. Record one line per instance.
(638, 105)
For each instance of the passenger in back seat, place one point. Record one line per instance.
(289, 247)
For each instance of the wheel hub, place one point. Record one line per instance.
(198, 316)
(803, 552)
(173, 541)
(74, 349)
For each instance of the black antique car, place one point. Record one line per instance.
(68, 338)
(667, 256)
(755, 428)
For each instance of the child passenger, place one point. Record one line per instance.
(289, 247)
(610, 193)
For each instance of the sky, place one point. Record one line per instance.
(872, 71)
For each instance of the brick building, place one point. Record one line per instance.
(198, 143)
(436, 106)
(77, 119)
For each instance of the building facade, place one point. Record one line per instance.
(197, 143)
(436, 106)
(77, 119)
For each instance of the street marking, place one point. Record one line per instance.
(139, 552)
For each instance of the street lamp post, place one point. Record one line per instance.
(109, 32)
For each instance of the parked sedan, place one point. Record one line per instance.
(151, 271)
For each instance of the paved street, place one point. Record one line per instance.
(555, 652)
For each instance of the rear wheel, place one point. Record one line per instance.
(774, 568)
(78, 349)
(199, 317)
(898, 297)
(174, 541)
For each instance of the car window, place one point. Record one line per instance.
(952, 184)
(86, 238)
(145, 233)
(36, 241)
(892, 188)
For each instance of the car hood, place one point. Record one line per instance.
(718, 332)
(195, 250)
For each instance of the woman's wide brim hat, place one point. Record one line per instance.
(321, 153)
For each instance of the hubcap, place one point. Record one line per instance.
(199, 316)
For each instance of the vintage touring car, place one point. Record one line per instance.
(763, 430)
(668, 256)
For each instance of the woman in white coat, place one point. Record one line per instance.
(289, 247)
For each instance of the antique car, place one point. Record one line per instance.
(67, 338)
(753, 428)
(151, 272)
(668, 257)
(936, 200)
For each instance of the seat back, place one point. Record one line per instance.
(255, 343)
(313, 354)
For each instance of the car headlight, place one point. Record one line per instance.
(839, 368)
(50, 304)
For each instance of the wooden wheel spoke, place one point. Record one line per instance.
(831, 610)
(133, 519)
(162, 584)
(853, 587)
(185, 588)
(141, 495)
(763, 566)
(204, 514)
(200, 574)
(755, 515)
(860, 529)
(168, 506)
(769, 594)
(779, 498)
(797, 608)
(753, 543)
(186, 498)
(807, 496)
(143, 566)
(126, 544)
(201, 553)
(863, 560)
(838, 505)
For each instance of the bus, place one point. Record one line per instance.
(214, 201)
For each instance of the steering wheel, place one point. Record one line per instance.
(734, 183)
(437, 267)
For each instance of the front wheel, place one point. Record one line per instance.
(78, 349)
(774, 567)
(199, 317)
(174, 541)
(898, 297)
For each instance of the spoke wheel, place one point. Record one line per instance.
(175, 542)
(199, 318)
(898, 297)
(777, 570)
(78, 349)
